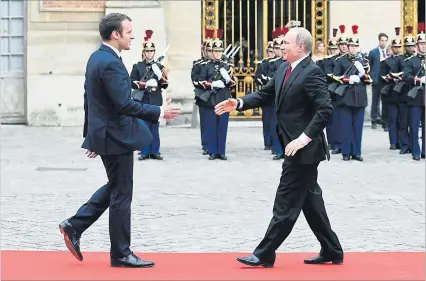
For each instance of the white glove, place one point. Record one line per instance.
(218, 84)
(151, 83)
(225, 74)
(157, 71)
(422, 80)
(360, 68)
(353, 79)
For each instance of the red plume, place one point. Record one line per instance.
(334, 32)
(274, 33)
(421, 27)
(409, 29)
(148, 33)
(284, 30)
(209, 33)
(397, 30)
(355, 29)
(219, 33)
(145, 38)
(342, 28)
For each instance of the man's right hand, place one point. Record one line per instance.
(170, 112)
(226, 106)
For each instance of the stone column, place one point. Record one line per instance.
(183, 28)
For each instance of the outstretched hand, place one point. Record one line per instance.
(226, 106)
(170, 112)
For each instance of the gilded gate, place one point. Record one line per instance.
(249, 24)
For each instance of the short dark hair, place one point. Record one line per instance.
(111, 22)
(381, 34)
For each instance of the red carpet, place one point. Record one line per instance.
(28, 265)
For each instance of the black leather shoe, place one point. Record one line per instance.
(156, 156)
(212, 157)
(403, 151)
(254, 261)
(278, 157)
(267, 148)
(392, 147)
(131, 261)
(205, 152)
(222, 157)
(336, 151)
(423, 156)
(417, 158)
(346, 158)
(357, 158)
(143, 157)
(71, 238)
(322, 260)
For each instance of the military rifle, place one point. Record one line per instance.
(415, 90)
(352, 70)
(204, 95)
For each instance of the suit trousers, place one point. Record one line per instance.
(117, 195)
(276, 145)
(201, 111)
(268, 124)
(333, 130)
(375, 103)
(154, 146)
(392, 115)
(298, 191)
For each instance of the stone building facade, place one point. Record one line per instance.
(46, 43)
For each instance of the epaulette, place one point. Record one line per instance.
(274, 59)
(341, 56)
(205, 62)
(198, 61)
(330, 56)
(409, 58)
(266, 59)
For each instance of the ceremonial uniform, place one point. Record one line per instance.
(261, 79)
(327, 65)
(278, 35)
(390, 74)
(195, 73)
(352, 72)
(150, 77)
(403, 88)
(216, 80)
(335, 125)
(414, 75)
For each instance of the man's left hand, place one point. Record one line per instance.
(90, 154)
(293, 147)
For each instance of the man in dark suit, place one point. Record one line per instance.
(375, 57)
(303, 110)
(113, 131)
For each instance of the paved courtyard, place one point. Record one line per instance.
(186, 203)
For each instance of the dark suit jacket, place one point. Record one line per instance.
(374, 60)
(303, 105)
(112, 124)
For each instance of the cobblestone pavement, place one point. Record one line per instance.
(186, 203)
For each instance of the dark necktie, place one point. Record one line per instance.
(287, 74)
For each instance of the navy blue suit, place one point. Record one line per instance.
(113, 131)
(374, 60)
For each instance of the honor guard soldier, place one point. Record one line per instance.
(150, 77)
(402, 88)
(352, 72)
(342, 45)
(326, 65)
(414, 75)
(206, 54)
(278, 35)
(216, 78)
(390, 74)
(261, 79)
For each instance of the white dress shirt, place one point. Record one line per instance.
(303, 137)
(119, 55)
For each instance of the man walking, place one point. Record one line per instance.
(303, 108)
(113, 131)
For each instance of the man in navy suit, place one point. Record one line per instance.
(113, 130)
(375, 56)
